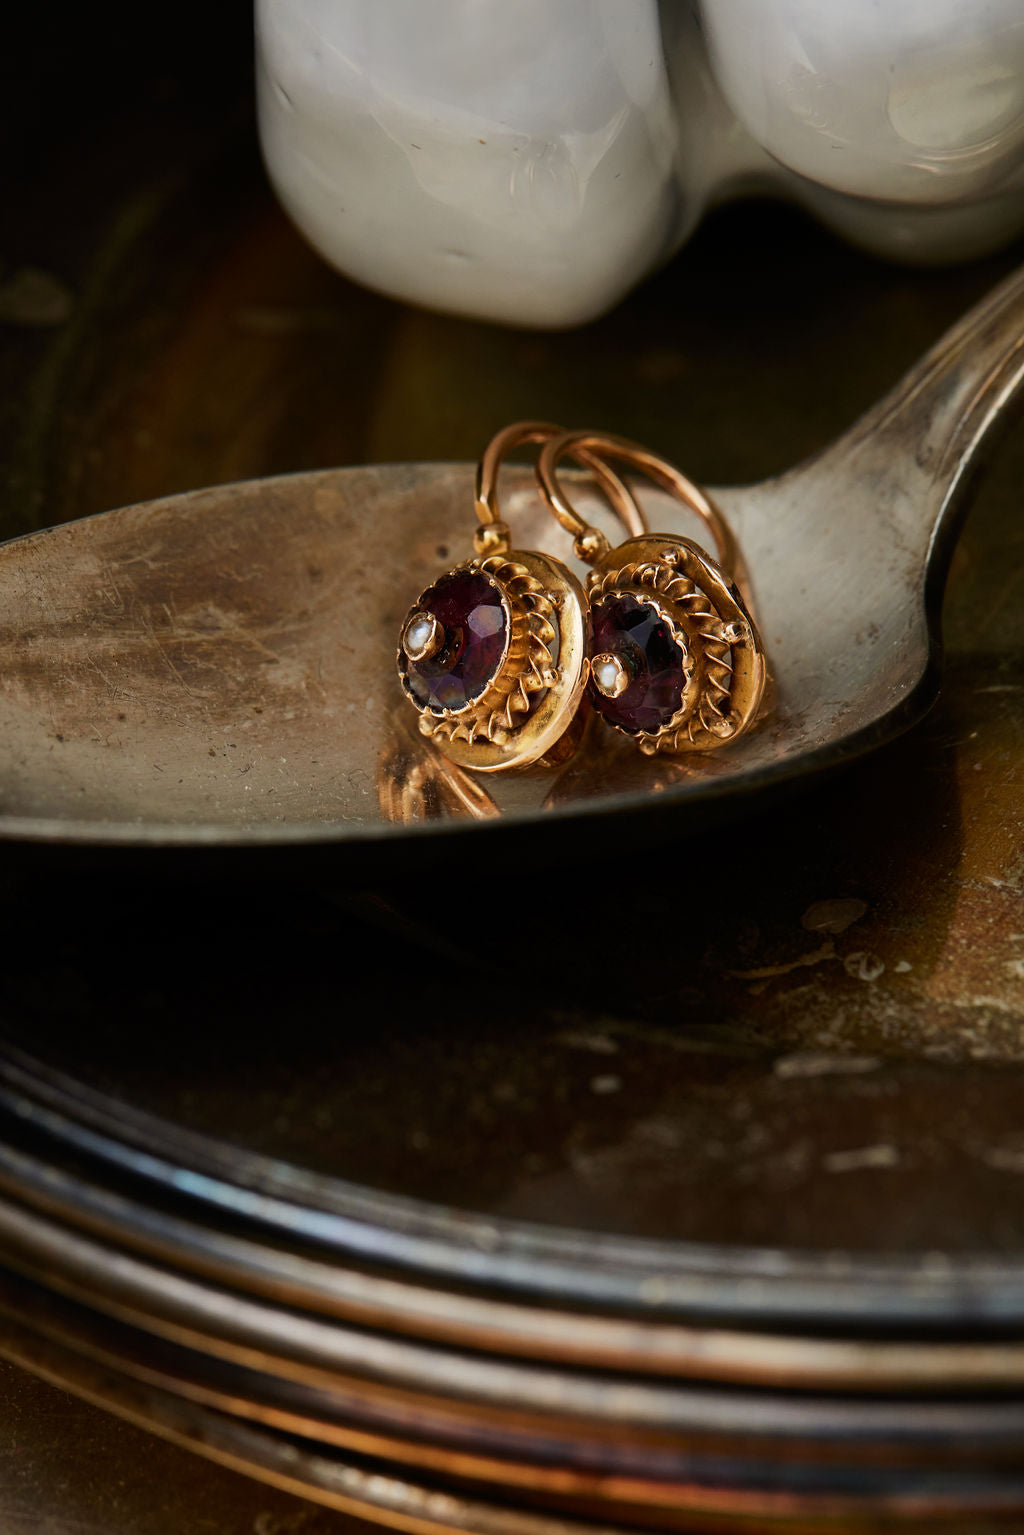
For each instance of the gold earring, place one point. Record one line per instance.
(493, 654)
(677, 662)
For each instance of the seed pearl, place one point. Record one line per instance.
(610, 676)
(423, 636)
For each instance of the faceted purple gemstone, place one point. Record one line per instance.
(469, 606)
(641, 638)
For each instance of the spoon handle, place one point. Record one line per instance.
(914, 449)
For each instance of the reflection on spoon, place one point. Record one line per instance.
(416, 783)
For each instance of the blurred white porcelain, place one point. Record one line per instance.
(530, 161)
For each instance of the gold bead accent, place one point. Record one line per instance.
(492, 538)
(591, 545)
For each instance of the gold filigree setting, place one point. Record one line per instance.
(723, 660)
(539, 679)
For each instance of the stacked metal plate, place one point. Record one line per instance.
(433, 1368)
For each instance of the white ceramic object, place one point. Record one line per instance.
(530, 161)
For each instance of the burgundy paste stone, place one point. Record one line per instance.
(637, 634)
(475, 640)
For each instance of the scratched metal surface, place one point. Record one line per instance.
(811, 1033)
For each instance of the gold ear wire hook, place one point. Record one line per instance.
(577, 443)
(493, 535)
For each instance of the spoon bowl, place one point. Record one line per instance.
(217, 668)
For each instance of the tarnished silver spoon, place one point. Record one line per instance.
(217, 668)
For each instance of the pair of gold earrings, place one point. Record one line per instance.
(501, 654)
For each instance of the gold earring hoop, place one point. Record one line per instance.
(492, 536)
(677, 663)
(493, 654)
